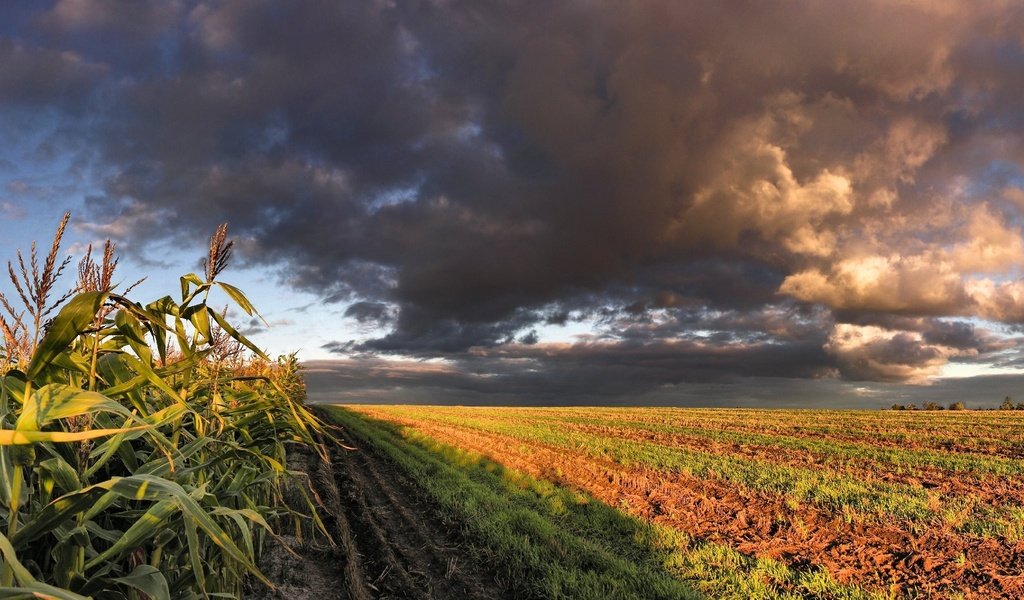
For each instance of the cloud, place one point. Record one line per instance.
(575, 372)
(255, 326)
(377, 314)
(356, 381)
(965, 271)
(33, 77)
(11, 210)
(110, 16)
(680, 174)
(874, 353)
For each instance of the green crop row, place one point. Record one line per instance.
(885, 458)
(894, 426)
(983, 431)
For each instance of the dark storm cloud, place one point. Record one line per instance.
(635, 354)
(370, 313)
(573, 373)
(361, 381)
(465, 173)
(35, 77)
(139, 20)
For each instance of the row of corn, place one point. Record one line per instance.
(142, 446)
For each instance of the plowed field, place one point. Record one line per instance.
(884, 504)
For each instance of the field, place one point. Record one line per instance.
(583, 502)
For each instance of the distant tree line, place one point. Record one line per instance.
(929, 406)
(1006, 405)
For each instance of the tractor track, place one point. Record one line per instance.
(390, 542)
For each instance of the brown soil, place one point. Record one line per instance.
(921, 559)
(389, 542)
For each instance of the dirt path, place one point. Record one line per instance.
(390, 541)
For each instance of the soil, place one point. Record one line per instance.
(389, 542)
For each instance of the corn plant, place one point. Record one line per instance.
(131, 465)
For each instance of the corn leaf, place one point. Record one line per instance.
(13, 437)
(148, 580)
(144, 528)
(59, 401)
(72, 320)
(236, 335)
(239, 297)
(63, 475)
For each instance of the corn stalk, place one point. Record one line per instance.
(129, 468)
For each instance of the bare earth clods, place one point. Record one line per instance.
(390, 542)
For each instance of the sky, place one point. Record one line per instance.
(729, 203)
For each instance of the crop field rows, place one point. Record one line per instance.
(884, 504)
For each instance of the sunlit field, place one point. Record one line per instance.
(747, 503)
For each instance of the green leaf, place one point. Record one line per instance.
(192, 537)
(130, 327)
(13, 437)
(186, 282)
(21, 574)
(72, 362)
(200, 319)
(151, 317)
(158, 310)
(120, 379)
(14, 385)
(63, 475)
(148, 580)
(179, 330)
(143, 368)
(95, 499)
(147, 526)
(7, 468)
(237, 336)
(147, 487)
(107, 535)
(160, 467)
(160, 418)
(70, 322)
(26, 581)
(57, 512)
(239, 297)
(37, 591)
(59, 401)
(66, 554)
